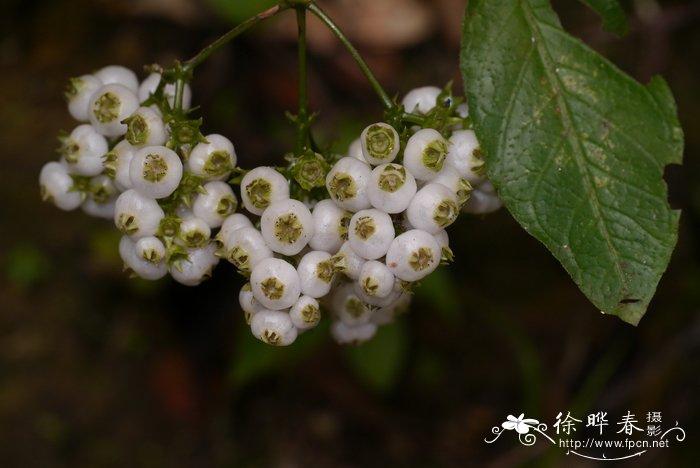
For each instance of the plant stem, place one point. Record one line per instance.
(303, 123)
(386, 100)
(179, 93)
(204, 54)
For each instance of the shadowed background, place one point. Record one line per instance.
(100, 370)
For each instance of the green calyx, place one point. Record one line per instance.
(106, 108)
(342, 186)
(445, 213)
(109, 162)
(380, 141)
(272, 288)
(155, 168)
(365, 227)
(464, 191)
(169, 226)
(392, 178)
(434, 154)
(185, 133)
(136, 129)
(239, 257)
(73, 88)
(70, 150)
(344, 224)
(226, 206)
(310, 170)
(288, 228)
(478, 163)
(271, 337)
(259, 193)
(310, 314)
(101, 193)
(420, 259)
(325, 271)
(218, 164)
(127, 224)
(355, 307)
(152, 256)
(193, 239)
(369, 285)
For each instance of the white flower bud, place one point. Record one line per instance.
(117, 163)
(330, 226)
(196, 268)
(245, 248)
(150, 84)
(465, 156)
(413, 255)
(216, 204)
(380, 143)
(459, 185)
(82, 151)
(261, 187)
(145, 257)
(101, 199)
(55, 184)
(390, 312)
(137, 215)
(346, 261)
(78, 94)
(370, 233)
(355, 150)
(347, 334)
(249, 304)
(194, 232)
(110, 105)
(117, 74)
(273, 327)
(484, 200)
(425, 154)
(347, 184)
(376, 279)
(434, 207)
(287, 226)
(213, 160)
(421, 100)
(316, 273)
(231, 223)
(348, 307)
(155, 171)
(145, 127)
(391, 188)
(275, 284)
(305, 313)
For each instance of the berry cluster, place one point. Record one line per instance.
(351, 234)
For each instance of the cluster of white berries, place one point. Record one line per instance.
(355, 254)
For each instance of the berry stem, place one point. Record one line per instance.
(233, 33)
(388, 103)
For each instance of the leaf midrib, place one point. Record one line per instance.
(568, 123)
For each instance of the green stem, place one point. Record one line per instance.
(179, 93)
(303, 129)
(386, 100)
(226, 38)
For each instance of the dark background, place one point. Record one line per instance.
(97, 370)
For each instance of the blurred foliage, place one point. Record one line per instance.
(236, 11)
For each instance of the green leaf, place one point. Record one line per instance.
(576, 149)
(611, 12)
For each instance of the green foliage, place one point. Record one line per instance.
(576, 149)
(378, 362)
(237, 11)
